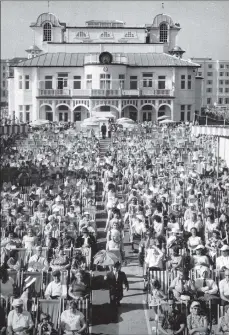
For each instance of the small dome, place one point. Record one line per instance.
(33, 48)
(177, 48)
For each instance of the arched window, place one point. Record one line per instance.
(129, 34)
(106, 34)
(47, 32)
(163, 32)
(81, 34)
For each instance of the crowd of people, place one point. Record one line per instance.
(158, 183)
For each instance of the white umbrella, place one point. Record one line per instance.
(91, 119)
(162, 117)
(129, 126)
(89, 124)
(125, 120)
(167, 121)
(39, 122)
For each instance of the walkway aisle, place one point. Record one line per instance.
(131, 319)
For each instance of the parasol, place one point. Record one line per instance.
(129, 126)
(91, 119)
(125, 120)
(162, 117)
(105, 258)
(39, 122)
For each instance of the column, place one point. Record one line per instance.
(90, 107)
(119, 108)
(55, 117)
(71, 111)
(139, 110)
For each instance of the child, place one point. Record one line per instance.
(45, 327)
(156, 299)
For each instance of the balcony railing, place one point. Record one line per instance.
(57, 92)
(105, 93)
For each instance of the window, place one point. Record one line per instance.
(81, 34)
(20, 83)
(182, 111)
(77, 82)
(21, 116)
(189, 107)
(227, 66)
(121, 78)
(27, 116)
(105, 81)
(3, 84)
(210, 66)
(221, 66)
(20, 108)
(105, 109)
(133, 82)
(209, 101)
(161, 82)
(62, 81)
(3, 68)
(227, 74)
(209, 74)
(147, 79)
(27, 82)
(220, 82)
(163, 33)
(4, 75)
(200, 74)
(226, 82)
(77, 116)
(220, 90)
(220, 101)
(226, 100)
(189, 82)
(4, 93)
(89, 82)
(47, 32)
(182, 82)
(209, 82)
(226, 89)
(129, 34)
(106, 34)
(221, 74)
(48, 82)
(209, 90)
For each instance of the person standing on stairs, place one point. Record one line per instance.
(103, 130)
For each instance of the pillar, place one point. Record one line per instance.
(90, 107)
(119, 108)
(55, 118)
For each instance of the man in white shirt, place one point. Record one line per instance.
(55, 289)
(37, 262)
(224, 289)
(18, 319)
(222, 262)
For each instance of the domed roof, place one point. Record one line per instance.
(47, 17)
(160, 18)
(177, 48)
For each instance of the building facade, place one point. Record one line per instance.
(103, 68)
(215, 83)
(5, 74)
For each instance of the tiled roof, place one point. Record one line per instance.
(62, 59)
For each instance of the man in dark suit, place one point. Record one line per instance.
(115, 280)
(104, 130)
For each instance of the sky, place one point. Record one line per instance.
(204, 33)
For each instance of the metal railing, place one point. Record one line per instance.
(105, 92)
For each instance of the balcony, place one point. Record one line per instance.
(105, 93)
(55, 93)
(155, 92)
(81, 93)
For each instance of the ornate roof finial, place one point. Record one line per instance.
(162, 6)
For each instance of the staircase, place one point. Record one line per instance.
(104, 144)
